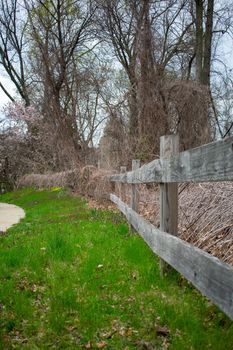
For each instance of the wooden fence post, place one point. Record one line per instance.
(134, 191)
(169, 145)
(123, 170)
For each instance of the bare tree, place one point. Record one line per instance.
(147, 37)
(60, 31)
(13, 46)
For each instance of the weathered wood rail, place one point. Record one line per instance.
(211, 162)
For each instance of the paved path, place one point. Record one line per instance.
(9, 215)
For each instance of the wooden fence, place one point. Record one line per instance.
(211, 162)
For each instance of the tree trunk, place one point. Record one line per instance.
(133, 107)
(208, 44)
(153, 119)
(199, 39)
(64, 140)
(204, 41)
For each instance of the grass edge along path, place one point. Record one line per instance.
(73, 278)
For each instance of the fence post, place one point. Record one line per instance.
(134, 191)
(169, 145)
(123, 170)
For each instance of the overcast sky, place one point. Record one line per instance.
(6, 82)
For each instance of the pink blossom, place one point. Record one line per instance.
(18, 112)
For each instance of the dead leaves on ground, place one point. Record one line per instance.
(98, 345)
(102, 205)
(132, 336)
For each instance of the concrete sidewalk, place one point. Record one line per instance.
(9, 215)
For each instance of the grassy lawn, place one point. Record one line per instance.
(73, 278)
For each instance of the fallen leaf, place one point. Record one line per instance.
(88, 345)
(144, 345)
(108, 335)
(103, 286)
(101, 344)
(125, 332)
(71, 328)
(34, 288)
(165, 344)
(164, 331)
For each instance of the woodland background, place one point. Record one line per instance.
(98, 82)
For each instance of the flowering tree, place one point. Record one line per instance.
(25, 142)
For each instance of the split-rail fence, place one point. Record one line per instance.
(211, 162)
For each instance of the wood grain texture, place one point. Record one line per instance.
(169, 146)
(134, 190)
(151, 172)
(123, 170)
(211, 162)
(134, 193)
(207, 273)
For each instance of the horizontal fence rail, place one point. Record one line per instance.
(207, 273)
(211, 162)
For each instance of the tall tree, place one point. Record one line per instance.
(116, 21)
(60, 30)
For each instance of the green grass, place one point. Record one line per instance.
(73, 278)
